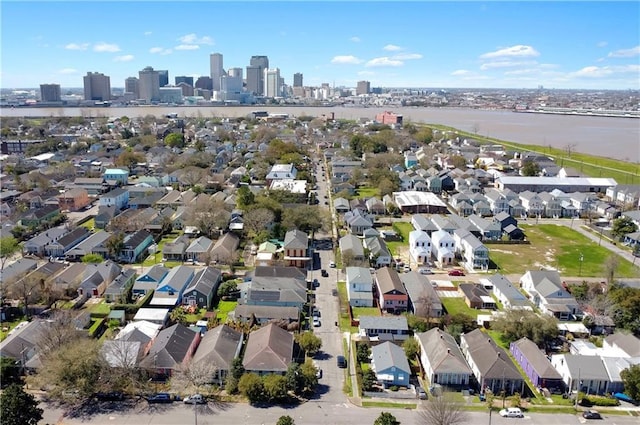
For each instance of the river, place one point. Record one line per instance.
(617, 138)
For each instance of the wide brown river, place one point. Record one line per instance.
(617, 138)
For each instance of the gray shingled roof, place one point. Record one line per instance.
(491, 360)
(219, 347)
(443, 353)
(269, 349)
(388, 355)
(536, 359)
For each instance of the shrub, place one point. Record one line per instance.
(393, 388)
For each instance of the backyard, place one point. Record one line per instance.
(456, 305)
(556, 247)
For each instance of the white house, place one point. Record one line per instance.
(419, 246)
(359, 287)
(547, 293)
(442, 247)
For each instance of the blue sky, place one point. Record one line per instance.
(494, 44)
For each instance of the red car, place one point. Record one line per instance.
(456, 272)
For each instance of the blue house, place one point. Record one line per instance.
(390, 364)
(134, 246)
(169, 291)
(118, 198)
(117, 174)
(149, 281)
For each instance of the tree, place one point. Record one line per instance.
(26, 289)
(9, 371)
(610, 267)
(115, 244)
(236, 372)
(308, 218)
(417, 324)
(244, 197)
(530, 168)
(18, 407)
(411, 348)
(626, 307)
(386, 418)
(285, 420)
(250, 385)
(208, 216)
(631, 380)
(178, 315)
(129, 159)
(309, 375)
(92, 259)
(257, 219)
(275, 387)
(516, 400)
(362, 353)
(369, 380)
(442, 410)
(516, 324)
(227, 288)
(8, 246)
(174, 140)
(295, 380)
(622, 226)
(458, 161)
(193, 376)
(309, 342)
(57, 332)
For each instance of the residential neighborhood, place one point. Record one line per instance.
(248, 258)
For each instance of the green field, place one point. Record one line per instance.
(224, 308)
(366, 311)
(368, 192)
(456, 305)
(557, 247)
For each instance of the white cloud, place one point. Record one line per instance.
(461, 72)
(148, 33)
(67, 71)
(194, 39)
(346, 59)
(106, 47)
(605, 71)
(625, 53)
(160, 51)
(392, 48)
(124, 58)
(602, 44)
(187, 47)
(76, 46)
(513, 51)
(355, 39)
(505, 64)
(383, 61)
(407, 56)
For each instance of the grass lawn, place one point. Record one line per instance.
(344, 322)
(389, 405)
(497, 337)
(367, 192)
(366, 311)
(8, 327)
(89, 224)
(404, 229)
(157, 257)
(455, 305)
(193, 318)
(560, 247)
(224, 308)
(100, 309)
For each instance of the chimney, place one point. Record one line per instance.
(448, 350)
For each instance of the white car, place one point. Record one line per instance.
(511, 412)
(195, 399)
(332, 265)
(424, 270)
(316, 322)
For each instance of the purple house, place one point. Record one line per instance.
(536, 365)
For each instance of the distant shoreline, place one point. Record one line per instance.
(610, 137)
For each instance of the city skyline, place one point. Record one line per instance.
(570, 45)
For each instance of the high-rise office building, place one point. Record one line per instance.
(363, 87)
(184, 79)
(163, 76)
(217, 70)
(187, 89)
(50, 93)
(149, 85)
(255, 74)
(203, 82)
(272, 82)
(131, 86)
(297, 79)
(97, 86)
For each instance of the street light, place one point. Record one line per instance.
(581, 260)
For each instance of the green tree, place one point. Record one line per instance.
(631, 380)
(309, 342)
(369, 379)
(250, 385)
(236, 372)
(178, 315)
(530, 168)
(285, 420)
(386, 418)
(309, 374)
(227, 288)
(244, 197)
(295, 380)
(516, 400)
(308, 218)
(8, 246)
(275, 387)
(516, 324)
(622, 226)
(92, 259)
(18, 407)
(9, 371)
(362, 353)
(174, 140)
(626, 307)
(411, 348)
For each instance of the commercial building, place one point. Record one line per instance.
(363, 87)
(255, 74)
(50, 92)
(548, 184)
(163, 77)
(97, 86)
(131, 86)
(272, 82)
(184, 79)
(297, 79)
(216, 69)
(149, 85)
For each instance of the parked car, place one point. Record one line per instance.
(591, 414)
(324, 273)
(455, 272)
(511, 412)
(332, 264)
(421, 393)
(423, 270)
(341, 362)
(110, 396)
(195, 399)
(160, 398)
(316, 322)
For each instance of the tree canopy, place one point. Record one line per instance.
(631, 379)
(18, 407)
(516, 324)
(622, 226)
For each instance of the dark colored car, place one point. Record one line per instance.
(341, 361)
(591, 414)
(160, 398)
(324, 273)
(456, 272)
(110, 396)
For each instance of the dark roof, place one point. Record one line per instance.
(275, 271)
(136, 239)
(442, 351)
(491, 360)
(389, 281)
(536, 359)
(269, 349)
(205, 281)
(219, 347)
(170, 347)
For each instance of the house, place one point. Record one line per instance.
(442, 247)
(505, 219)
(93, 185)
(357, 222)
(202, 288)
(420, 222)
(17, 269)
(442, 360)
(514, 233)
(176, 249)
(532, 203)
(36, 245)
(134, 246)
(474, 253)
(96, 277)
(489, 230)
(262, 315)
(218, 347)
(269, 350)
(199, 249)
(390, 364)
(117, 175)
(170, 290)
(423, 299)
(379, 254)
(172, 348)
(351, 249)
(490, 364)
(476, 296)
(296, 249)
(224, 250)
(341, 205)
(548, 294)
(536, 365)
(375, 206)
(586, 374)
(150, 280)
(73, 199)
(118, 198)
(61, 246)
(157, 316)
(419, 246)
(359, 283)
(392, 295)
(508, 295)
(118, 290)
(275, 286)
(39, 216)
(104, 216)
(622, 345)
(383, 328)
(21, 343)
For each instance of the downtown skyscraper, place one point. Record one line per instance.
(216, 70)
(255, 74)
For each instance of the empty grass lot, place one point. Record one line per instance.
(365, 311)
(559, 247)
(224, 308)
(368, 192)
(455, 305)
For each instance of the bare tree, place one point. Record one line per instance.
(192, 176)
(193, 376)
(257, 220)
(209, 216)
(121, 358)
(611, 267)
(27, 289)
(424, 306)
(58, 331)
(442, 410)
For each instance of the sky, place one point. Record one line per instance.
(421, 44)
